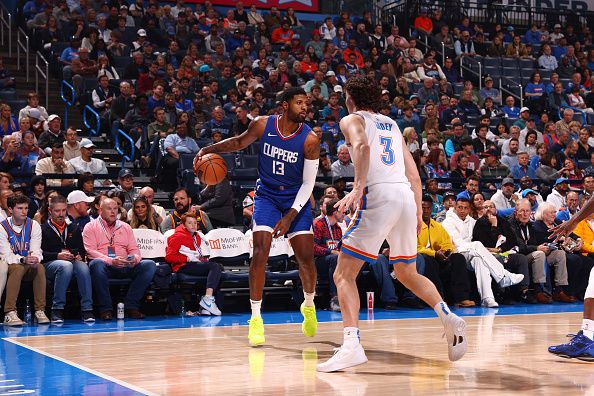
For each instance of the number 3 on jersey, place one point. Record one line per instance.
(278, 168)
(388, 153)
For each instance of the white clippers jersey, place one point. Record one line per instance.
(386, 158)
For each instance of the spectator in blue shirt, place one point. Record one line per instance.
(572, 205)
(218, 122)
(175, 144)
(331, 126)
(510, 109)
(533, 36)
(157, 99)
(523, 167)
(33, 7)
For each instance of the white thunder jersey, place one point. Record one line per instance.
(386, 161)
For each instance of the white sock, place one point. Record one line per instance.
(256, 305)
(442, 310)
(309, 297)
(351, 337)
(588, 328)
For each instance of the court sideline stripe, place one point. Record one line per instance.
(83, 368)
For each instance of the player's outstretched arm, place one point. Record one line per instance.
(412, 174)
(236, 143)
(566, 228)
(311, 151)
(353, 128)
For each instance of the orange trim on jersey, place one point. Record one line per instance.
(361, 252)
(402, 257)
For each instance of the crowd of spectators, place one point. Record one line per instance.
(176, 78)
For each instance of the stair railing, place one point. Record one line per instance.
(125, 157)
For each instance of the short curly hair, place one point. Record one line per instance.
(365, 92)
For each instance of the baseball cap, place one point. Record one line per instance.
(510, 28)
(124, 7)
(449, 194)
(204, 69)
(237, 31)
(413, 96)
(125, 173)
(488, 79)
(77, 196)
(284, 48)
(523, 109)
(489, 153)
(53, 117)
(561, 180)
(141, 32)
(528, 191)
(557, 26)
(314, 32)
(337, 88)
(463, 195)
(423, 9)
(385, 92)
(330, 73)
(35, 113)
(296, 37)
(507, 180)
(86, 143)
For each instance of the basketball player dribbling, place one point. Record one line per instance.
(287, 167)
(581, 346)
(387, 192)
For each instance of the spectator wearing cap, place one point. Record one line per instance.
(556, 36)
(126, 186)
(55, 164)
(113, 252)
(78, 209)
(423, 24)
(492, 168)
(504, 198)
(524, 116)
(489, 92)
(86, 164)
(449, 200)
(33, 103)
(82, 67)
(53, 134)
(64, 256)
(557, 196)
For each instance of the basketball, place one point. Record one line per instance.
(211, 169)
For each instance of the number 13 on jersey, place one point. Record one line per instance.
(388, 153)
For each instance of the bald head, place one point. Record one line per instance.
(108, 210)
(148, 193)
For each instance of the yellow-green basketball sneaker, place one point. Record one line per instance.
(310, 322)
(256, 331)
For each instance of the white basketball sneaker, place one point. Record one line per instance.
(344, 358)
(510, 279)
(455, 332)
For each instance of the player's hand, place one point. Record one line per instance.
(284, 224)
(349, 201)
(200, 154)
(562, 230)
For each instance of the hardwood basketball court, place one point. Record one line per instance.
(507, 355)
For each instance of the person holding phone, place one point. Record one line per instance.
(63, 257)
(113, 253)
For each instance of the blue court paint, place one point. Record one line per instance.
(25, 371)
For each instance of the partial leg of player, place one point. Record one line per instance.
(303, 248)
(262, 240)
(581, 345)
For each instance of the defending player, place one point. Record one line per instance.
(288, 164)
(387, 189)
(581, 345)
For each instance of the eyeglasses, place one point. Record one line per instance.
(488, 206)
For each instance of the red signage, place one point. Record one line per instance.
(298, 5)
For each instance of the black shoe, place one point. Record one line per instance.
(57, 316)
(528, 298)
(412, 303)
(390, 306)
(87, 316)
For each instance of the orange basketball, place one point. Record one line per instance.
(211, 169)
